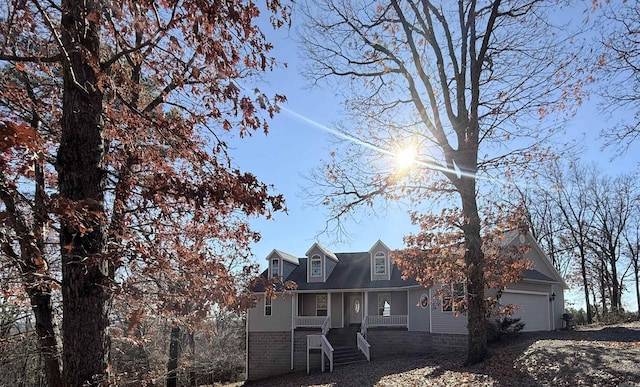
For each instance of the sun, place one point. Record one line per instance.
(405, 158)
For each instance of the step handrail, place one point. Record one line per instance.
(327, 349)
(364, 326)
(363, 345)
(326, 325)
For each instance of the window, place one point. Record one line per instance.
(380, 263)
(267, 305)
(316, 266)
(452, 295)
(384, 304)
(275, 267)
(321, 305)
(424, 301)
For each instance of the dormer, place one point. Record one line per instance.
(321, 263)
(380, 262)
(281, 264)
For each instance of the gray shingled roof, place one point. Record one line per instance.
(536, 275)
(353, 271)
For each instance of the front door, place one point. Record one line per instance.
(355, 308)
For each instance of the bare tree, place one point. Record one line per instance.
(632, 241)
(452, 81)
(619, 68)
(614, 201)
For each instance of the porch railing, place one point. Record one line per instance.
(363, 346)
(309, 321)
(388, 321)
(320, 342)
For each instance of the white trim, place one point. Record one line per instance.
(385, 263)
(293, 314)
(329, 308)
(326, 295)
(453, 296)
(365, 295)
(311, 266)
(270, 306)
(525, 292)
(279, 267)
(408, 309)
(532, 293)
(545, 258)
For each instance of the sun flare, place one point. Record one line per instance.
(406, 158)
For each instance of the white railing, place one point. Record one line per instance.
(363, 345)
(388, 321)
(309, 321)
(320, 342)
(313, 342)
(327, 350)
(364, 326)
(326, 325)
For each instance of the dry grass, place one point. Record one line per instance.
(594, 356)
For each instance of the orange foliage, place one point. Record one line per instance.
(436, 255)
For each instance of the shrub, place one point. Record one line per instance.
(502, 327)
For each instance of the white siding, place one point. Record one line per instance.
(280, 319)
(418, 316)
(336, 310)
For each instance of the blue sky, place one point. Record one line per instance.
(294, 146)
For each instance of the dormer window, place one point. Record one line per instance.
(275, 267)
(380, 263)
(316, 266)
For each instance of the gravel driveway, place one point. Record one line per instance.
(594, 356)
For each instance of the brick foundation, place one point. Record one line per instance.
(269, 354)
(390, 342)
(443, 342)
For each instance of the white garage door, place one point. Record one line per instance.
(533, 310)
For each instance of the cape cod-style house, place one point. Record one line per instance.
(355, 306)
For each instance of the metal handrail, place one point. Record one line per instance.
(363, 346)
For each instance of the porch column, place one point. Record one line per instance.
(408, 308)
(329, 308)
(294, 303)
(366, 305)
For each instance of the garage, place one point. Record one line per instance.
(533, 309)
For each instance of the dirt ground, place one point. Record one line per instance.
(588, 356)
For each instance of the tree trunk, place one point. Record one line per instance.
(86, 282)
(47, 331)
(174, 355)
(474, 259)
(635, 273)
(615, 288)
(585, 284)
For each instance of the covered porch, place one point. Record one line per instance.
(365, 309)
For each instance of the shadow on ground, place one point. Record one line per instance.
(606, 356)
